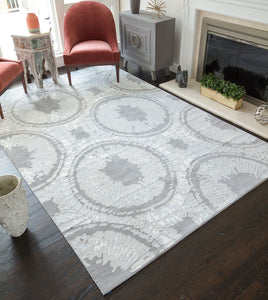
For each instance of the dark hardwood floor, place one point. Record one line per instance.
(227, 258)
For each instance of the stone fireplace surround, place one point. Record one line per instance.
(242, 12)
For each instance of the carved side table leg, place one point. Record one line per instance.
(54, 73)
(35, 73)
(27, 74)
(24, 84)
(40, 81)
(50, 59)
(38, 58)
(44, 75)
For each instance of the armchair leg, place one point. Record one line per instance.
(117, 71)
(24, 84)
(1, 112)
(69, 75)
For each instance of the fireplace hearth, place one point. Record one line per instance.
(250, 15)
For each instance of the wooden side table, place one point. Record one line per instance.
(35, 50)
(147, 40)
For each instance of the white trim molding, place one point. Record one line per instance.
(261, 4)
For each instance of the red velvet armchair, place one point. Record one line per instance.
(90, 37)
(10, 71)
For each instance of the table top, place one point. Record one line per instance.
(28, 35)
(147, 16)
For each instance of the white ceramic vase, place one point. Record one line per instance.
(13, 205)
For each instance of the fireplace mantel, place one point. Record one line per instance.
(241, 9)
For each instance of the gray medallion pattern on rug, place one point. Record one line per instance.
(125, 170)
(48, 108)
(215, 129)
(132, 115)
(32, 152)
(135, 177)
(218, 189)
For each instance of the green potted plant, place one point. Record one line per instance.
(222, 91)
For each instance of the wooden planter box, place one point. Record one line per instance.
(234, 104)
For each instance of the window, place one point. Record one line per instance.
(9, 5)
(50, 14)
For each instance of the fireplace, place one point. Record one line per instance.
(235, 53)
(250, 15)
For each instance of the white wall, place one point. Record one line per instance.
(174, 9)
(12, 23)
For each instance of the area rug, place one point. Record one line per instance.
(125, 170)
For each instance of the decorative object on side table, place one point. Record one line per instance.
(13, 205)
(222, 91)
(182, 77)
(157, 7)
(32, 23)
(261, 114)
(135, 6)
